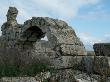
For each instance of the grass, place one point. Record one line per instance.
(32, 70)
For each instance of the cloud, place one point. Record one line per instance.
(98, 12)
(89, 40)
(61, 9)
(107, 38)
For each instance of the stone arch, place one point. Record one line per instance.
(41, 24)
(57, 31)
(33, 34)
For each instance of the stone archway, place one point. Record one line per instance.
(58, 32)
(33, 34)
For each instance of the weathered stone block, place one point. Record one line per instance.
(87, 64)
(102, 49)
(67, 62)
(101, 65)
(72, 50)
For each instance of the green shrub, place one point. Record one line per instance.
(32, 70)
(9, 70)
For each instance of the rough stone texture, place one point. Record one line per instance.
(101, 65)
(102, 49)
(87, 64)
(66, 75)
(84, 77)
(101, 61)
(68, 62)
(42, 76)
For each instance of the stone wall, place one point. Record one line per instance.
(102, 63)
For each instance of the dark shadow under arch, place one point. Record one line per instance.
(33, 34)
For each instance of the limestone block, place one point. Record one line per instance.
(87, 64)
(101, 64)
(67, 62)
(72, 50)
(102, 49)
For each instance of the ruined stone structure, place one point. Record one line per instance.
(53, 42)
(102, 49)
(59, 48)
(102, 63)
(61, 37)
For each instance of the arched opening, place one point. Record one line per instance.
(33, 34)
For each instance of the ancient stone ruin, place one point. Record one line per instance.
(58, 50)
(53, 42)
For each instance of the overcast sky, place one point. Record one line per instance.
(89, 18)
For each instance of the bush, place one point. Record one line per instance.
(9, 70)
(32, 70)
